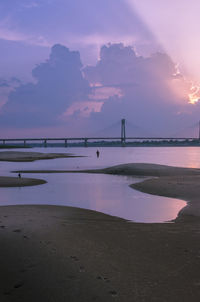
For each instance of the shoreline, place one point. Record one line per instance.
(185, 188)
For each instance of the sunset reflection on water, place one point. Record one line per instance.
(109, 194)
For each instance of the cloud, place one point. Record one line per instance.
(120, 66)
(18, 59)
(82, 109)
(84, 25)
(6, 86)
(99, 92)
(153, 96)
(59, 83)
(13, 35)
(9, 31)
(149, 92)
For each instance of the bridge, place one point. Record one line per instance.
(85, 140)
(44, 141)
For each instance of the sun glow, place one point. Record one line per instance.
(194, 95)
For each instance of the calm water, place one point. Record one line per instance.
(106, 193)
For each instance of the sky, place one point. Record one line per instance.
(71, 68)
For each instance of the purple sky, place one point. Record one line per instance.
(77, 67)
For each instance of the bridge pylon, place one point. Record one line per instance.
(123, 132)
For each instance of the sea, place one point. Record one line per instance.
(110, 194)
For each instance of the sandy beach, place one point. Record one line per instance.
(52, 253)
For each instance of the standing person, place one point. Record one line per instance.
(97, 153)
(19, 175)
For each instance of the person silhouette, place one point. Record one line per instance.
(19, 175)
(97, 153)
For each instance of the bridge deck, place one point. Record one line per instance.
(95, 138)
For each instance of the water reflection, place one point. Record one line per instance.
(106, 193)
(109, 194)
(173, 156)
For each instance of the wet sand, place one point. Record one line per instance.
(185, 187)
(51, 253)
(19, 156)
(132, 169)
(6, 181)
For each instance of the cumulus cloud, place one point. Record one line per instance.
(59, 83)
(119, 66)
(148, 91)
(153, 95)
(82, 109)
(6, 86)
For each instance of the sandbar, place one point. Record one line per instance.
(185, 187)
(131, 169)
(6, 181)
(19, 156)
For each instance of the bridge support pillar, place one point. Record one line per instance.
(65, 142)
(199, 130)
(123, 142)
(85, 142)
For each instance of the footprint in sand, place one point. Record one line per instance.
(18, 284)
(105, 279)
(113, 293)
(81, 269)
(17, 231)
(7, 292)
(74, 258)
